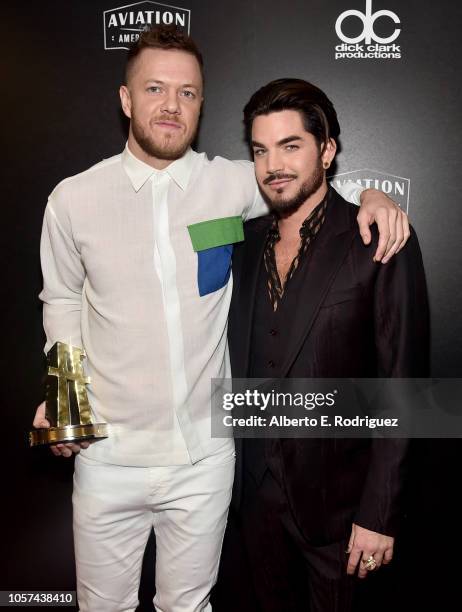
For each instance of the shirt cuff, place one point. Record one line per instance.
(350, 191)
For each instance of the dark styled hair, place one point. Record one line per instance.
(317, 111)
(163, 37)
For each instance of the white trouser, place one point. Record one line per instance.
(115, 508)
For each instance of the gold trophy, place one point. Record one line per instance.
(67, 406)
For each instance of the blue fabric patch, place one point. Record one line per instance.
(214, 268)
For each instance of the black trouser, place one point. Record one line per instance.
(289, 574)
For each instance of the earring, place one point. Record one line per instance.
(325, 165)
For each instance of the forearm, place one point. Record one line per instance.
(61, 322)
(381, 505)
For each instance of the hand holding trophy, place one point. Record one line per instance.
(67, 418)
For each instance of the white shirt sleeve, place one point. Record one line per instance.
(254, 205)
(349, 191)
(258, 208)
(63, 278)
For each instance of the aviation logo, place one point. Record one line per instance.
(375, 46)
(123, 25)
(397, 187)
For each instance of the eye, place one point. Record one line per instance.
(258, 152)
(154, 89)
(292, 147)
(187, 93)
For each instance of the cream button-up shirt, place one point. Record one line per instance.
(137, 271)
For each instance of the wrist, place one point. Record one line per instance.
(366, 193)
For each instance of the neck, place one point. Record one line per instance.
(289, 227)
(155, 162)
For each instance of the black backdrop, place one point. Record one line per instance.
(60, 110)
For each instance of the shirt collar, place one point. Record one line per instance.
(139, 172)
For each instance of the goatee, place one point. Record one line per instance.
(286, 207)
(161, 149)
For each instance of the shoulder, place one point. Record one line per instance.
(231, 184)
(409, 255)
(256, 226)
(96, 175)
(239, 165)
(255, 232)
(350, 214)
(348, 210)
(234, 169)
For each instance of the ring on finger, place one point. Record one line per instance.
(370, 563)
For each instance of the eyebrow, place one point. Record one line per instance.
(288, 139)
(163, 83)
(280, 143)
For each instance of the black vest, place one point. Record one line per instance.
(270, 334)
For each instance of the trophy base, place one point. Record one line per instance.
(68, 433)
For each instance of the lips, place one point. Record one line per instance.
(171, 125)
(278, 180)
(278, 183)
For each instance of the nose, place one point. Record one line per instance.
(274, 162)
(170, 103)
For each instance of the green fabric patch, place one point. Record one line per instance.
(216, 232)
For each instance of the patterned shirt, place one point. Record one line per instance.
(308, 231)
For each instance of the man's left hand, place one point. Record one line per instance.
(392, 223)
(365, 544)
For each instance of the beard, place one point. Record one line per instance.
(285, 207)
(165, 147)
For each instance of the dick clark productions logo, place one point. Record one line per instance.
(124, 24)
(375, 46)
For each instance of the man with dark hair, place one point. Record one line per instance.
(136, 258)
(309, 302)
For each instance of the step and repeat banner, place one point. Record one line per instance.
(392, 69)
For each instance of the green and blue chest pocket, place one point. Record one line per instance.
(213, 242)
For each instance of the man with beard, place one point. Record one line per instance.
(310, 302)
(136, 257)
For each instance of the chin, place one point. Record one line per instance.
(279, 199)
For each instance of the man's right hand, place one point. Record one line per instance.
(66, 449)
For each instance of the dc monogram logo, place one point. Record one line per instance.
(368, 19)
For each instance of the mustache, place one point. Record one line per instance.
(277, 176)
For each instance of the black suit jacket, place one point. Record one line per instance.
(354, 318)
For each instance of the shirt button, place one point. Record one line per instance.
(271, 364)
(273, 332)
